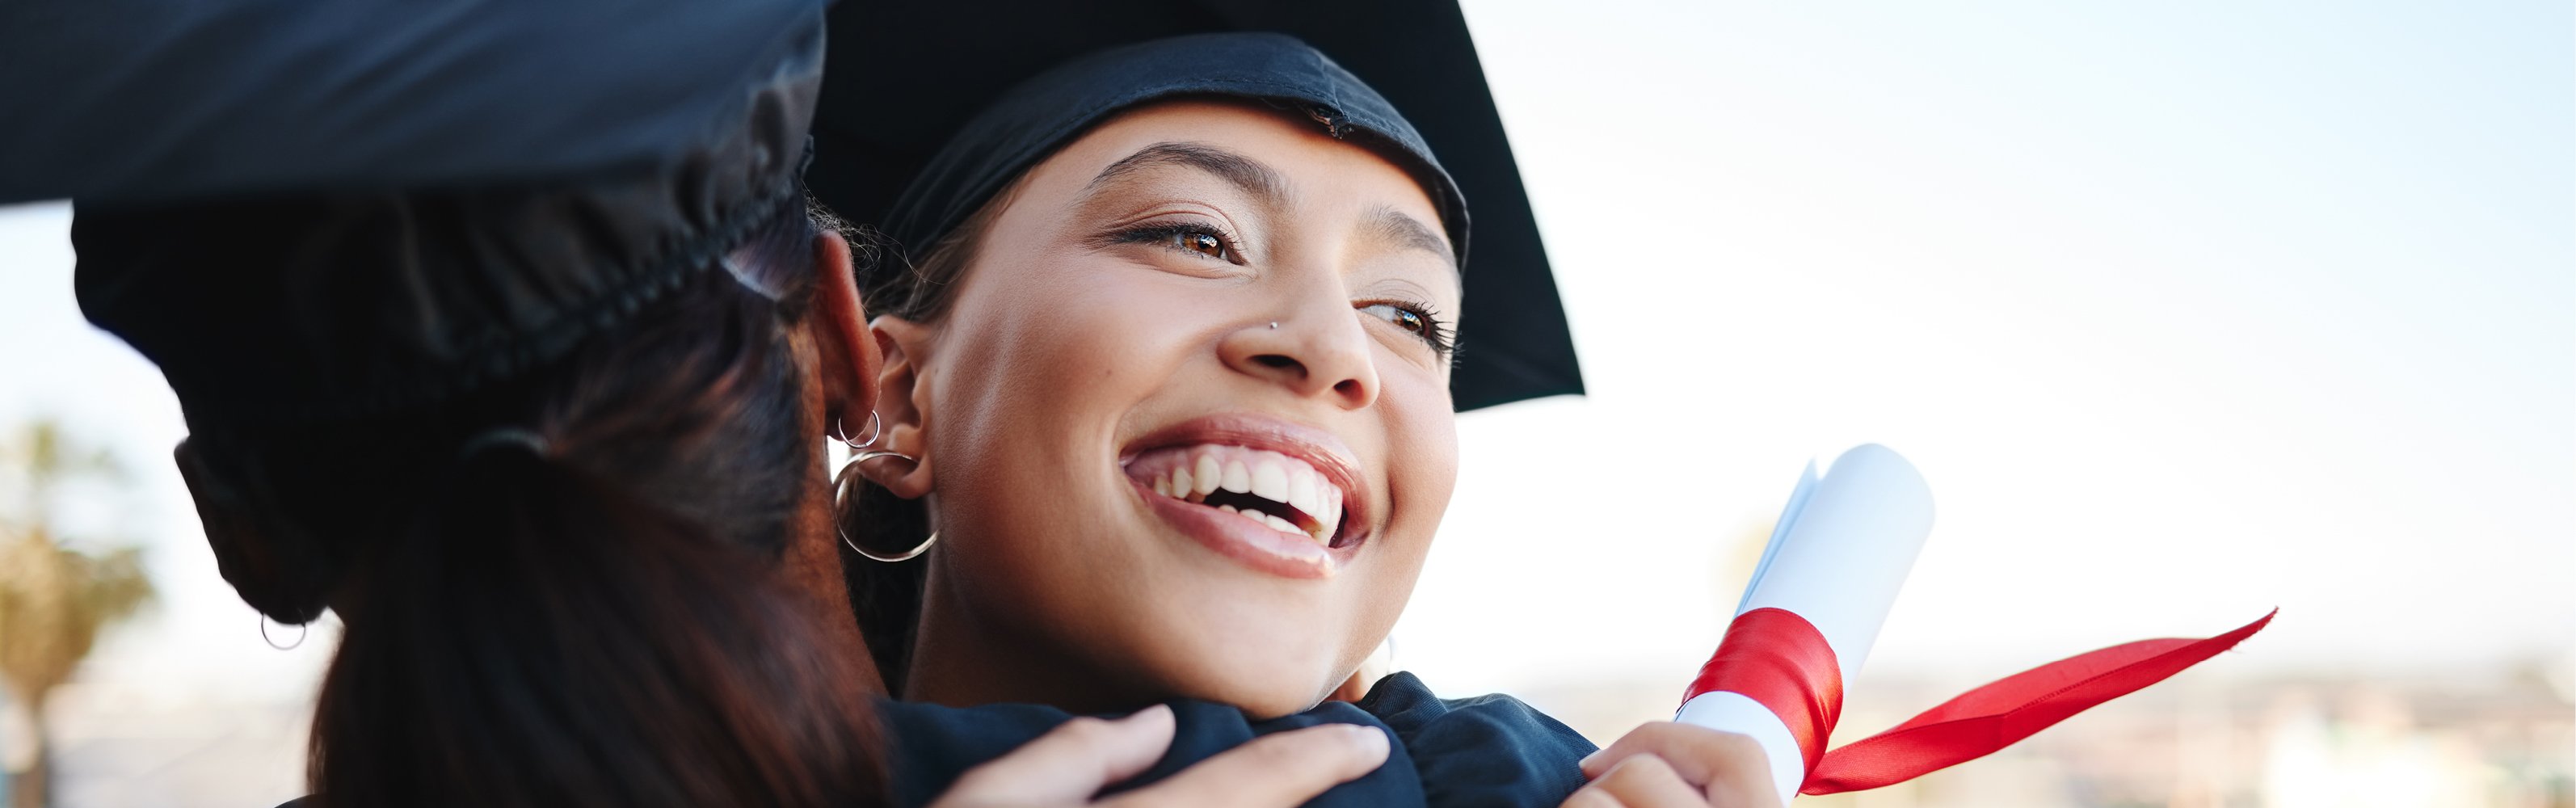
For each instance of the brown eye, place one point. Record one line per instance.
(1202, 243)
(1410, 321)
(1189, 237)
(1402, 317)
(1415, 318)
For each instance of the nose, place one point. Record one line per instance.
(1314, 351)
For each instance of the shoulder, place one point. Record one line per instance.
(1484, 750)
(931, 745)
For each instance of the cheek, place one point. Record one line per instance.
(1055, 356)
(1036, 374)
(1422, 473)
(1069, 334)
(1422, 451)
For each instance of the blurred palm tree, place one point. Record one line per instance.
(54, 599)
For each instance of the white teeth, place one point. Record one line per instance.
(1286, 480)
(1203, 475)
(1301, 493)
(1270, 481)
(1328, 510)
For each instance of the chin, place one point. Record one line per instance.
(1263, 700)
(1265, 680)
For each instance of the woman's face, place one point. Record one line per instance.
(1197, 312)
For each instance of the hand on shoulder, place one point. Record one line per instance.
(1070, 765)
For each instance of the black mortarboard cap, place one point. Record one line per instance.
(318, 212)
(928, 109)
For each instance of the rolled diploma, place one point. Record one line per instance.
(1837, 557)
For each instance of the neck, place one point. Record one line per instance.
(959, 660)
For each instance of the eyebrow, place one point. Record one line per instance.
(1391, 226)
(1385, 224)
(1240, 171)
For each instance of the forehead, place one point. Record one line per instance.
(1311, 164)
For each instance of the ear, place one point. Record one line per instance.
(903, 402)
(851, 361)
(267, 576)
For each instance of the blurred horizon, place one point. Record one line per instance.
(2186, 311)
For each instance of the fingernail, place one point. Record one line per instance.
(1586, 762)
(1149, 714)
(1368, 739)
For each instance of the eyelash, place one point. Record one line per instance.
(1168, 234)
(1433, 330)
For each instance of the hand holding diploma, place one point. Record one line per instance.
(1840, 552)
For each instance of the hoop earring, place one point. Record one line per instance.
(301, 629)
(840, 504)
(876, 429)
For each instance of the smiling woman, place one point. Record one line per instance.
(1171, 400)
(1113, 329)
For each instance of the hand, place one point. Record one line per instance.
(1668, 765)
(1068, 766)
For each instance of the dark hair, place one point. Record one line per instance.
(566, 588)
(887, 596)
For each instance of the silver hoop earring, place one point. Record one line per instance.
(301, 629)
(840, 504)
(906, 555)
(876, 429)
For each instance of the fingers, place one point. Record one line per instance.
(1274, 771)
(1728, 768)
(1639, 781)
(1068, 764)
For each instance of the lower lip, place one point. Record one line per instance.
(1256, 546)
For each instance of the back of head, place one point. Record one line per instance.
(563, 587)
(542, 443)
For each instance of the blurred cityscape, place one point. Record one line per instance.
(2500, 739)
(2504, 740)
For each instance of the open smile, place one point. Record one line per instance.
(1274, 496)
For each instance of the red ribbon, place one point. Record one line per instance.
(1768, 655)
(1779, 660)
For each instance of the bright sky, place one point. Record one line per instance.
(2186, 310)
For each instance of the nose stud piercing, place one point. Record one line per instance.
(1274, 325)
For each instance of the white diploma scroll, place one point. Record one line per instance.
(1837, 557)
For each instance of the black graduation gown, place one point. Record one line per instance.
(1475, 752)
(1482, 751)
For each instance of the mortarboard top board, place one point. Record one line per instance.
(904, 79)
(313, 214)
(142, 100)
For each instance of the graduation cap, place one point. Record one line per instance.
(309, 213)
(928, 109)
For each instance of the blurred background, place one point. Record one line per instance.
(2187, 310)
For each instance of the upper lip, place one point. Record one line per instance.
(1316, 447)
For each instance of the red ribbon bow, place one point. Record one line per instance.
(1779, 660)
